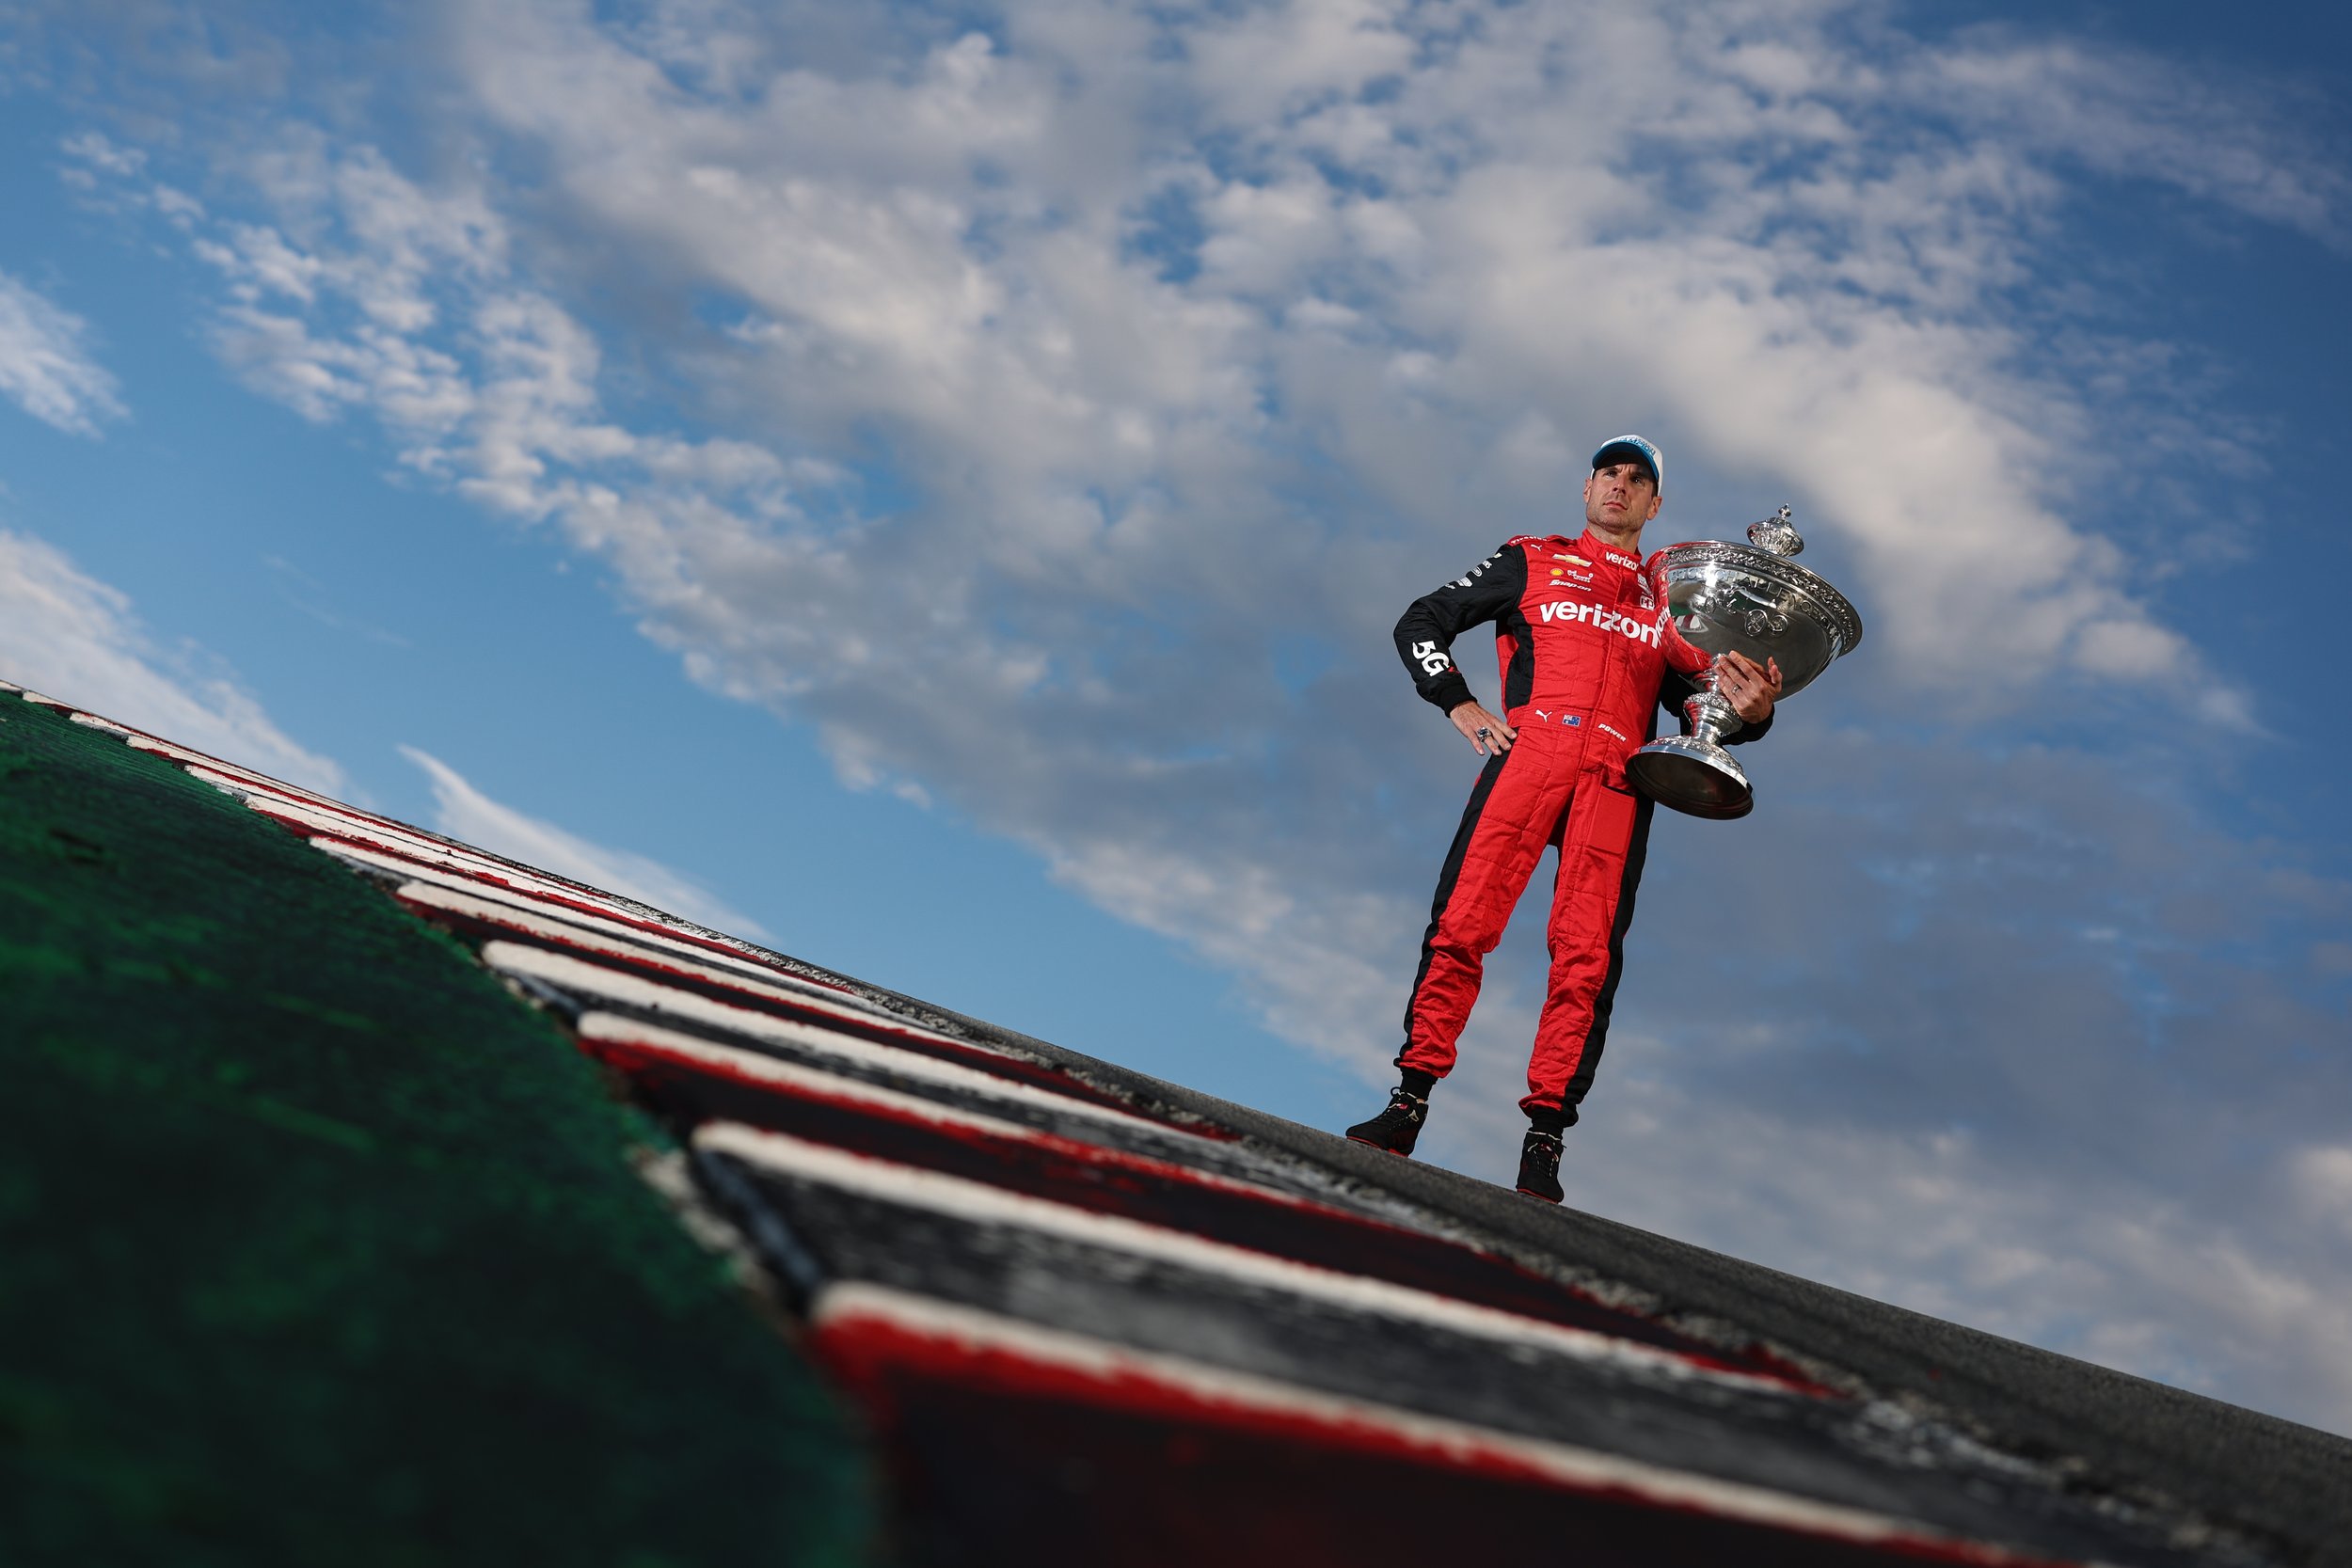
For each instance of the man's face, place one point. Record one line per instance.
(1620, 496)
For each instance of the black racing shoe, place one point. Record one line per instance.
(1539, 1166)
(1396, 1128)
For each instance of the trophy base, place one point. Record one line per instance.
(1692, 776)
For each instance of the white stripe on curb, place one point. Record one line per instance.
(981, 1204)
(415, 870)
(829, 1003)
(690, 1052)
(591, 980)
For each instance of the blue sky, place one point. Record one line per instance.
(930, 487)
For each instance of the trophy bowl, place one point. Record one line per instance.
(1753, 599)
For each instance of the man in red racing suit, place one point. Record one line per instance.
(1587, 654)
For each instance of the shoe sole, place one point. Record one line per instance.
(1544, 1197)
(1400, 1153)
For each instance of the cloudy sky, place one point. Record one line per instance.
(929, 486)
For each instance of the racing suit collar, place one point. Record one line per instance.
(1588, 542)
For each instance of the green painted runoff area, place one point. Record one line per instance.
(317, 1246)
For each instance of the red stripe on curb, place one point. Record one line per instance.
(1123, 1465)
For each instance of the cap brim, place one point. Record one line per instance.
(1626, 452)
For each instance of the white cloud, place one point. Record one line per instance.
(2322, 1176)
(97, 150)
(74, 637)
(464, 812)
(45, 365)
(2127, 112)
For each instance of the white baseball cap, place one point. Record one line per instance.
(1632, 449)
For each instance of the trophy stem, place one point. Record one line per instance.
(1712, 716)
(1693, 772)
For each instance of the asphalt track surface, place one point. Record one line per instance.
(1092, 1317)
(2266, 1487)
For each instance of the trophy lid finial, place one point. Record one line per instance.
(1777, 535)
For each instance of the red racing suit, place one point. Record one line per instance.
(1587, 653)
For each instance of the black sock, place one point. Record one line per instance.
(1547, 1118)
(1417, 1083)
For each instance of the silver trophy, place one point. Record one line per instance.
(1753, 598)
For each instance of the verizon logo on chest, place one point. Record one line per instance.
(1602, 619)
